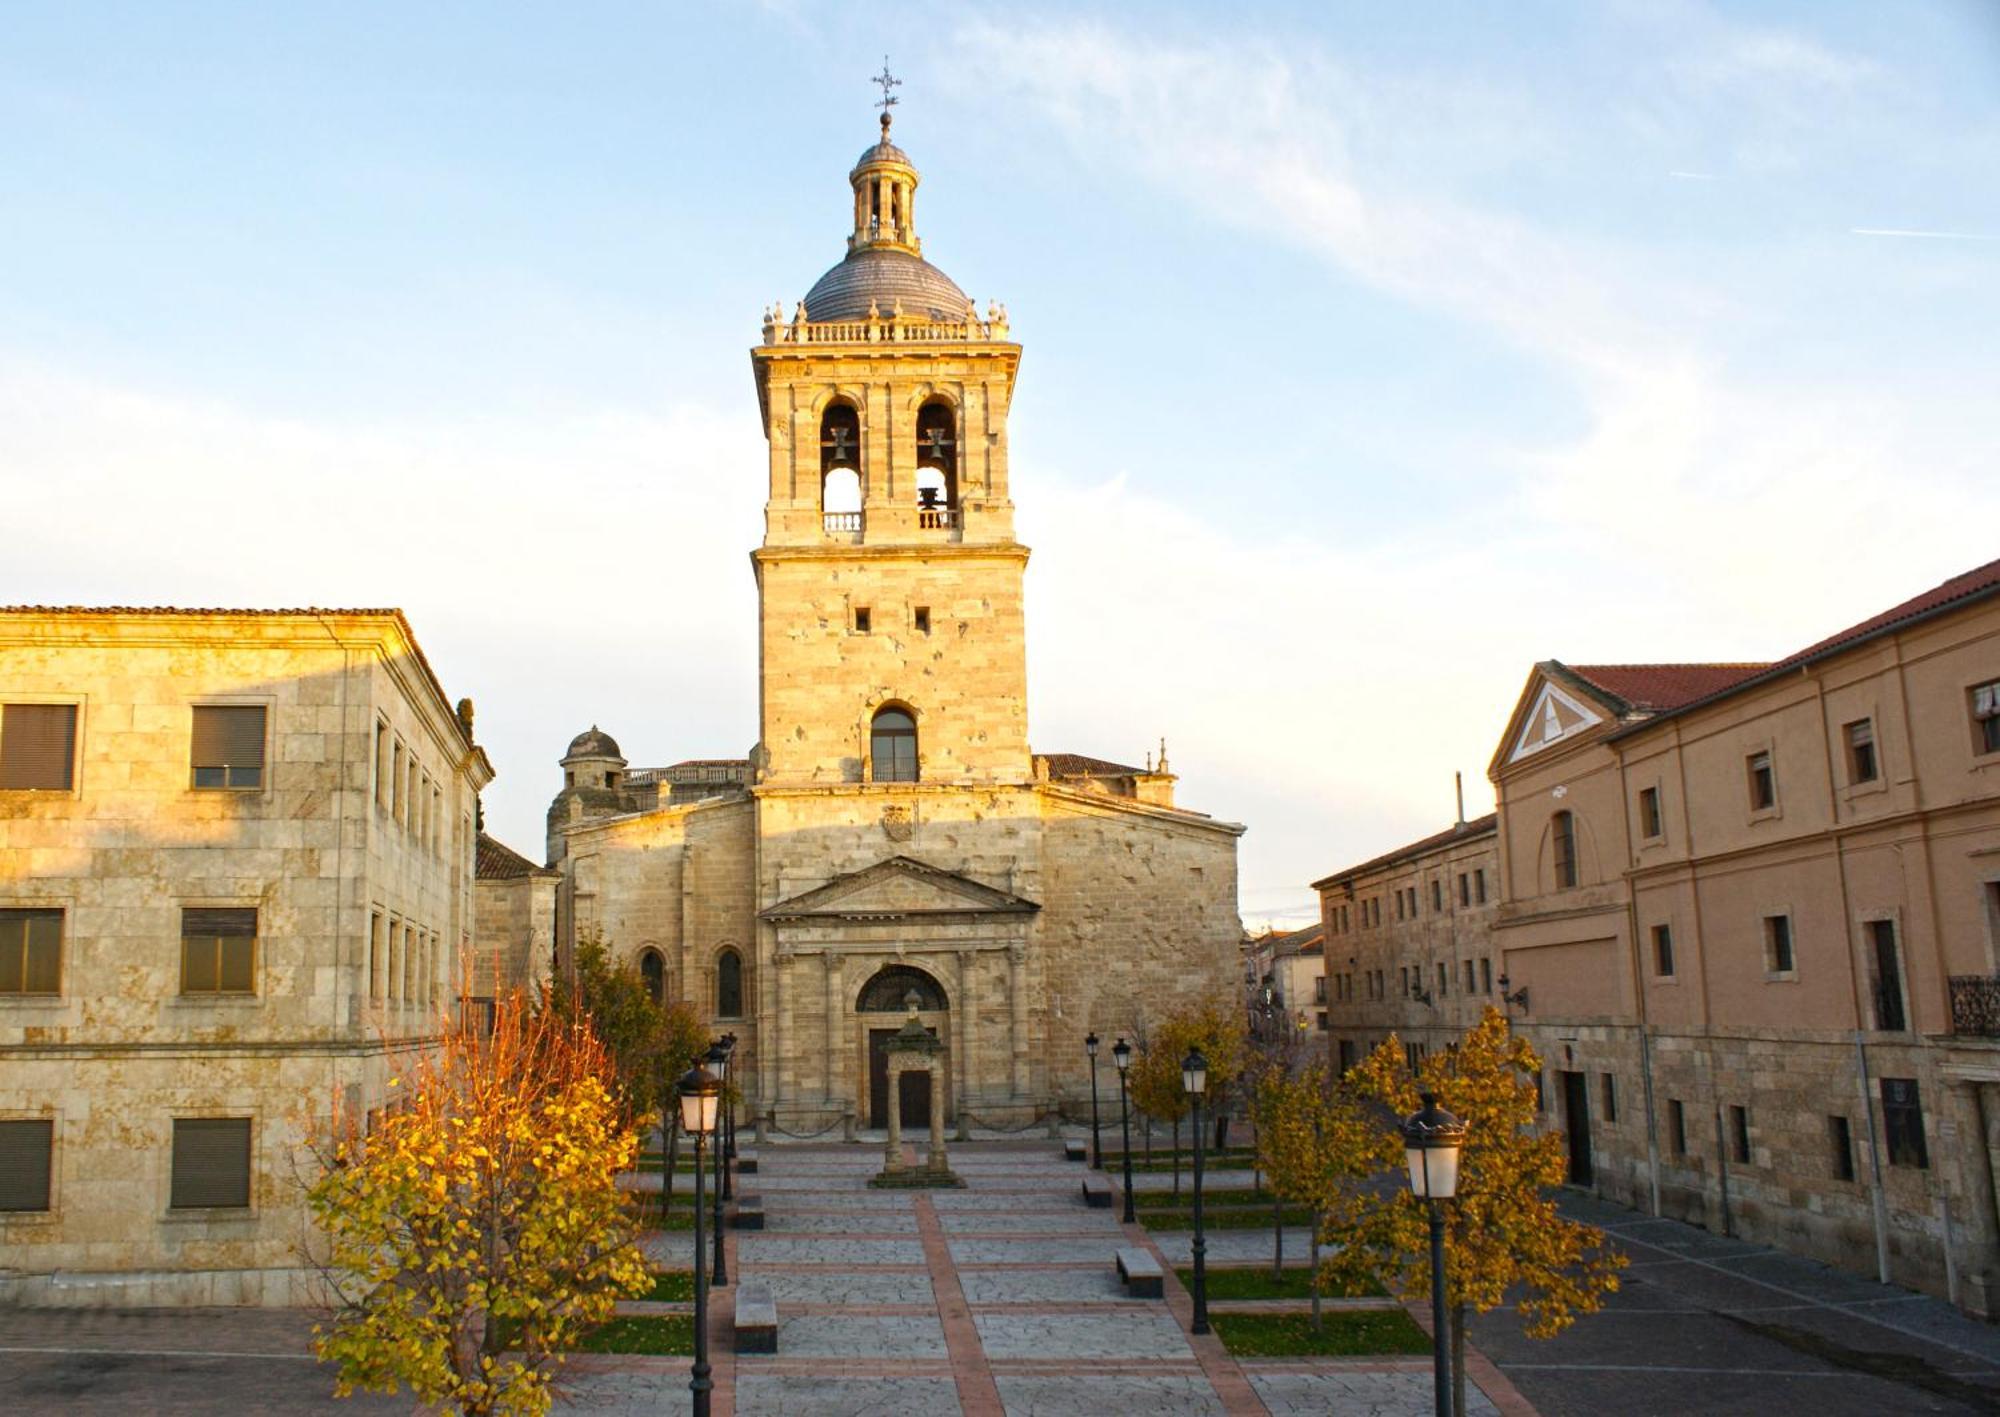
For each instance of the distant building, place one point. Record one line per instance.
(1288, 994)
(514, 913)
(236, 877)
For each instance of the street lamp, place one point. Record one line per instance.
(1431, 1140)
(1096, 1142)
(725, 1142)
(1121, 1054)
(729, 1113)
(718, 1063)
(1194, 1077)
(699, 1094)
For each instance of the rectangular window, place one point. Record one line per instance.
(382, 797)
(378, 957)
(26, 1150)
(396, 781)
(37, 747)
(211, 1163)
(1986, 718)
(1319, 990)
(922, 617)
(1888, 972)
(1610, 1098)
(1778, 944)
(218, 950)
(1437, 895)
(1860, 750)
(1763, 782)
(1399, 905)
(1903, 1123)
(31, 951)
(1739, 1134)
(1470, 982)
(1322, 1020)
(228, 747)
(1346, 1056)
(1840, 1137)
(1405, 972)
(1677, 1132)
(1649, 813)
(1564, 830)
(1464, 889)
(1444, 979)
(1663, 951)
(1486, 975)
(1479, 885)
(861, 619)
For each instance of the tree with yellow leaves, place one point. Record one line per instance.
(475, 1231)
(1320, 1149)
(1155, 1077)
(1503, 1230)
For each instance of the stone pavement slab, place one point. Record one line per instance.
(780, 1250)
(1358, 1394)
(1100, 1395)
(1126, 1334)
(1042, 1286)
(854, 1336)
(862, 1287)
(797, 1396)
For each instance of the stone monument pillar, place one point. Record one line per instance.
(910, 1049)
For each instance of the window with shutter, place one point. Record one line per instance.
(37, 747)
(1986, 718)
(218, 951)
(228, 748)
(31, 951)
(211, 1163)
(26, 1149)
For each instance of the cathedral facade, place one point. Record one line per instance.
(892, 841)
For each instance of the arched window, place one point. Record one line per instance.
(1563, 829)
(937, 465)
(892, 746)
(653, 970)
(729, 984)
(888, 991)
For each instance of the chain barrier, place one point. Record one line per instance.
(772, 1126)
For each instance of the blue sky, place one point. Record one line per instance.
(1372, 353)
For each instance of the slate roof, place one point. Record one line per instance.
(1307, 941)
(882, 276)
(1465, 831)
(496, 861)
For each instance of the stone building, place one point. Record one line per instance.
(1288, 987)
(1750, 916)
(235, 881)
(514, 921)
(892, 832)
(1409, 947)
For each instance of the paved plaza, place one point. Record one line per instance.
(1001, 1299)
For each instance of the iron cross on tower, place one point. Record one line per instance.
(888, 101)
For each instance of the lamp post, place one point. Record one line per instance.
(718, 1063)
(1096, 1142)
(699, 1093)
(1121, 1054)
(1194, 1077)
(725, 1142)
(1431, 1140)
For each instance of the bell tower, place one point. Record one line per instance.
(891, 639)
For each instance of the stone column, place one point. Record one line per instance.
(1017, 998)
(834, 1024)
(775, 1025)
(938, 1160)
(892, 1150)
(962, 1016)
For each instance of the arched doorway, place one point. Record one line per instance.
(883, 1006)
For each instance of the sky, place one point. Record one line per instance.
(1371, 353)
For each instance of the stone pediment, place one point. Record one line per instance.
(899, 888)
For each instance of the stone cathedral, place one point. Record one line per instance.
(892, 840)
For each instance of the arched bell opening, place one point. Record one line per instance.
(937, 465)
(840, 466)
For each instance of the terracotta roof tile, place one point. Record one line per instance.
(1063, 765)
(1465, 831)
(498, 862)
(1656, 687)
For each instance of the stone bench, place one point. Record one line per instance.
(756, 1318)
(746, 1161)
(1141, 1273)
(1097, 1191)
(749, 1212)
(1075, 1151)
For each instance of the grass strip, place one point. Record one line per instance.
(671, 1286)
(1221, 1196)
(641, 1333)
(1295, 1282)
(1342, 1333)
(1249, 1217)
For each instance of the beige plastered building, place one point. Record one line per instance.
(1750, 916)
(892, 836)
(235, 884)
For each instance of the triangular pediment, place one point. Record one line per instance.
(898, 888)
(1553, 714)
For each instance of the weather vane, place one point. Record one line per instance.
(887, 81)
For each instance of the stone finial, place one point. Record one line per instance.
(1163, 756)
(465, 717)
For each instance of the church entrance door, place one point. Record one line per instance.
(915, 1098)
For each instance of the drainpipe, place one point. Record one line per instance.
(1639, 999)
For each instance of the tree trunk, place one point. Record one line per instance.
(1458, 1360)
(1277, 1238)
(1221, 1132)
(669, 1155)
(1313, 1250)
(1146, 1126)
(1177, 1156)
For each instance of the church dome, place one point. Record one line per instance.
(884, 275)
(593, 743)
(883, 152)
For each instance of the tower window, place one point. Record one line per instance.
(861, 620)
(1564, 827)
(653, 972)
(892, 746)
(937, 466)
(921, 617)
